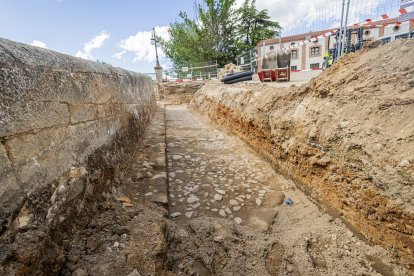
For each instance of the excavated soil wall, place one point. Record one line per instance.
(347, 137)
(178, 93)
(65, 124)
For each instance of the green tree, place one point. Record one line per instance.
(212, 36)
(218, 21)
(254, 25)
(219, 33)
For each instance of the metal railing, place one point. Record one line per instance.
(249, 60)
(197, 71)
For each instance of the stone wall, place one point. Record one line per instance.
(56, 113)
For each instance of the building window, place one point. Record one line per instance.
(386, 40)
(315, 51)
(402, 36)
(367, 32)
(314, 66)
(272, 48)
(294, 68)
(294, 53)
(396, 28)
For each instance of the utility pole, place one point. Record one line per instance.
(280, 38)
(345, 38)
(339, 40)
(157, 68)
(251, 61)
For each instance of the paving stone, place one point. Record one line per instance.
(238, 220)
(218, 197)
(234, 202)
(192, 199)
(274, 198)
(177, 157)
(222, 192)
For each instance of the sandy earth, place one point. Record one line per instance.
(296, 78)
(214, 175)
(346, 137)
(233, 218)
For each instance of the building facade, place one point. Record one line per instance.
(308, 49)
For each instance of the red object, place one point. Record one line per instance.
(385, 16)
(368, 20)
(356, 25)
(397, 23)
(274, 75)
(283, 74)
(402, 11)
(267, 74)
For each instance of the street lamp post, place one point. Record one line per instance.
(157, 68)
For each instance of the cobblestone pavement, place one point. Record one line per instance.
(213, 174)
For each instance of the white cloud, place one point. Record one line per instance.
(304, 15)
(140, 45)
(119, 55)
(94, 43)
(39, 43)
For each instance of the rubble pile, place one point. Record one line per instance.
(229, 68)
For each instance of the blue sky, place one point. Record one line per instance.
(118, 31)
(66, 25)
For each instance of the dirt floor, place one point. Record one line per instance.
(346, 138)
(228, 213)
(235, 217)
(296, 79)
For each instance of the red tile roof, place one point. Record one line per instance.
(304, 36)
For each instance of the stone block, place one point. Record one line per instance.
(7, 176)
(104, 110)
(82, 112)
(44, 156)
(20, 117)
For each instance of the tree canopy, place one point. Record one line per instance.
(254, 25)
(219, 33)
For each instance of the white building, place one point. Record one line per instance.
(308, 49)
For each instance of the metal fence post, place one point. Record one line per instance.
(345, 38)
(339, 40)
(251, 61)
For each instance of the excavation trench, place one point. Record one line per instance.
(240, 183)
(233, 207)
(189, 199)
